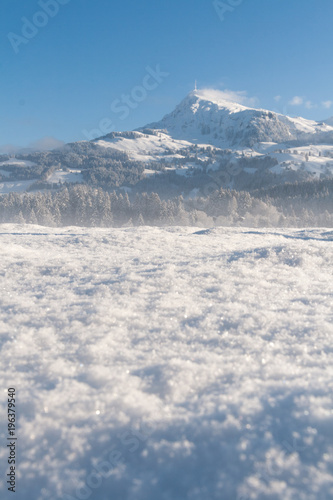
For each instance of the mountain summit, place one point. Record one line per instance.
(207, 117)
(208, 140)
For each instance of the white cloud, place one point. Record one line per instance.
(310, 105)
(46, 144)
(327, 104)
(43, 144)
(8, 149)
(239, 96)
(296, 101)
(277, 98)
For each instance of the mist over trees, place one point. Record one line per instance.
(293, 205)
(195, 185)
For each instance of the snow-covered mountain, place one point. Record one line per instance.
(208, 133)
(205, 116)
(206, 137)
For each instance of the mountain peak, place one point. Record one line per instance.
(209, 116)
(222, 99)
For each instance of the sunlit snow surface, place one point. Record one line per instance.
(199, 359)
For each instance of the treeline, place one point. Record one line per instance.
(99, 165)
(306, 204)
(82, 205)
(16, 172)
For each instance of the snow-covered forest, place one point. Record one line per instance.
(294, 205)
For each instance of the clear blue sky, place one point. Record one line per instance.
(65, 78)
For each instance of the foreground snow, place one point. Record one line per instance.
(180, 363)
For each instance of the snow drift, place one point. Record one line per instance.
(168, 363)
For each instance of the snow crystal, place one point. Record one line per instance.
(166, 364)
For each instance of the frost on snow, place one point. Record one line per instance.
(168, 364)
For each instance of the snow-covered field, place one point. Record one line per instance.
(14, 186)
(146, 148)
(168, 364)
(61, 176)
(17, 163)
